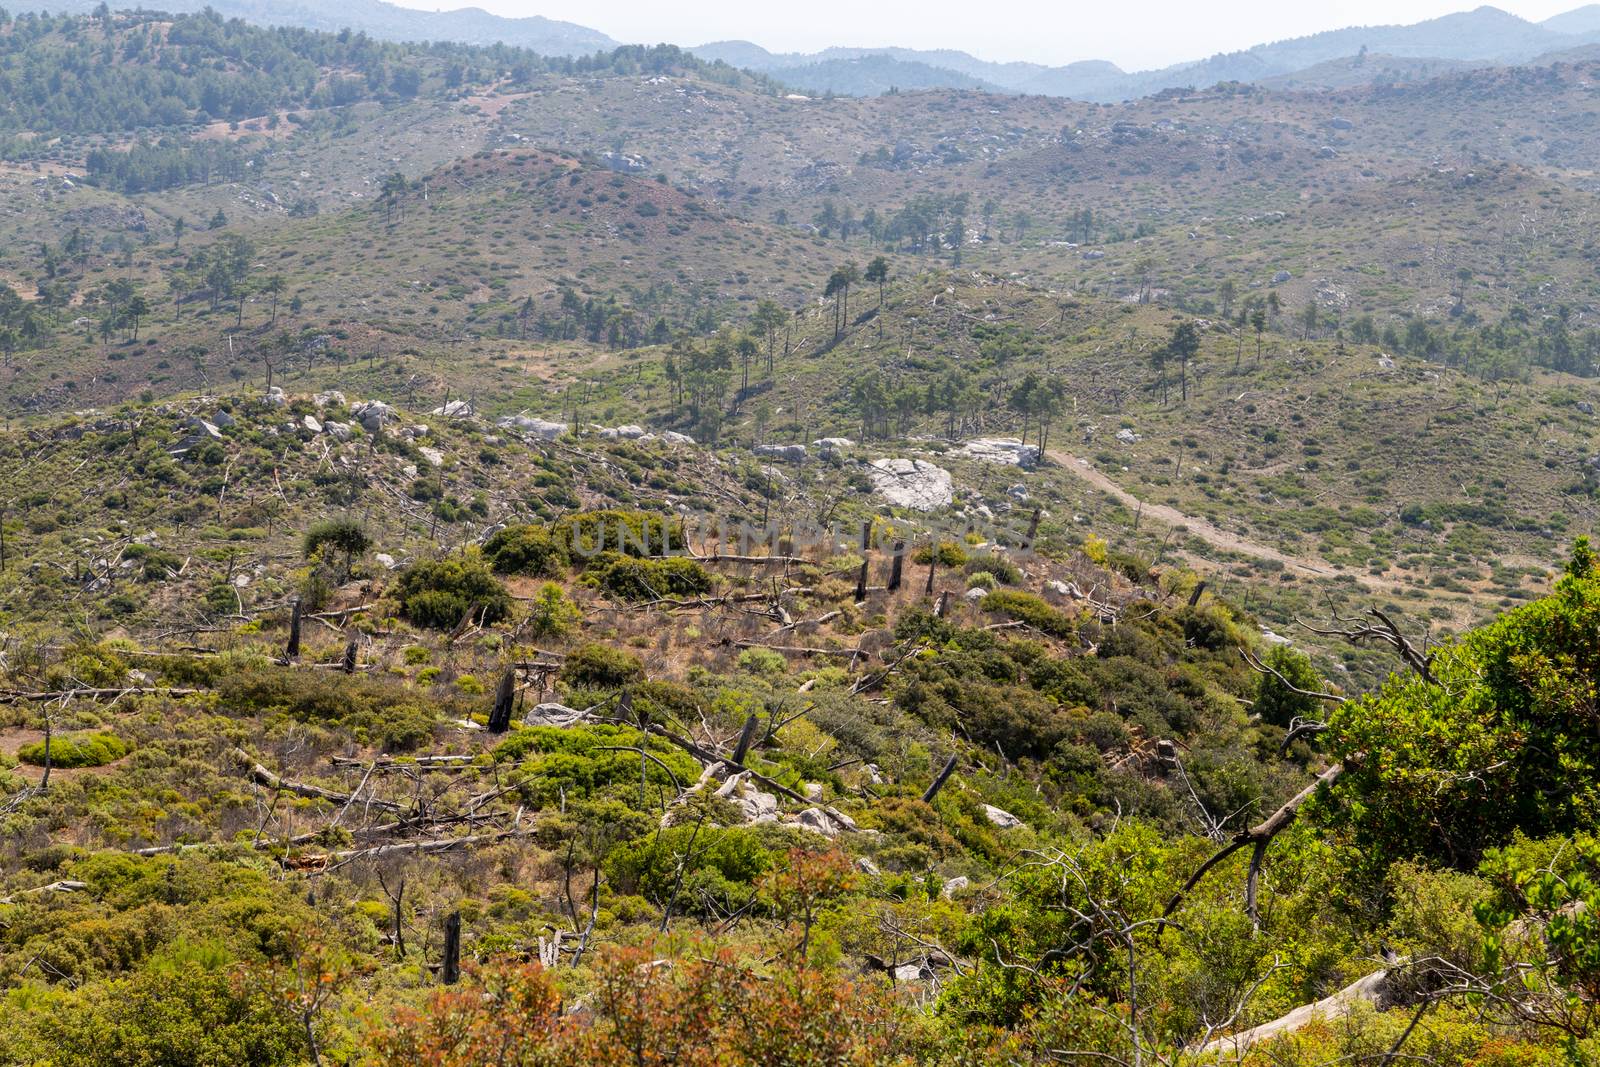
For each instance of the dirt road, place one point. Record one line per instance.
(1208, 531)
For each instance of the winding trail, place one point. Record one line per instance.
(1211, 533)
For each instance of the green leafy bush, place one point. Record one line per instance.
(527, 549)
(630, 533)
(438, 593)
(1033, 610)
(81, 750)
(649, 579)
(601, 667)
(551, 614)
(374, 710)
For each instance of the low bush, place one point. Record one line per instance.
(81, 750)
(1030, 609)
(531, 550)
(649, 579)
(601, 667)
(438, 593)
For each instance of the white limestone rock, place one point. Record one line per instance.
(912, 483)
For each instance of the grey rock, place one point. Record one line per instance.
(975, 594)
(331, 399)
(432, 455)
(1127, 436)
(672, 437)
(626, 433)
(787, 453)
(555, 715)
(1000, 817)
(223, 420)
(343, 431)
(1281, 277)
(1002, 450)
(311, 424)
(1586, 407)
(455, 409)
(954, 886)
(912, 483)
(546, 431)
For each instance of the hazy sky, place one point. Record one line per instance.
(1134, 34)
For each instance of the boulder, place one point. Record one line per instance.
(342, 431)
(1281, 277)
(912, 483)
(545, 431)
(275, 398)
(1000, 817)
(672, 437)
(626, 433)
(223, 420)
(455, 409)
(373, 415)
(1018, 492)
(786, 453)
(975, 594)
(818, 821)
(954, 886)
(311, 424)
(1006, 450)
(432, 455)
(386, 561)
(554, 715)
(1127, 436)
(830, 445)
(331, 399)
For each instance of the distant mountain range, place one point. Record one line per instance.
(469, 25)
(1486, 35)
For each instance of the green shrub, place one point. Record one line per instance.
(344, 535)
(649, 579)
(601, 667)
(531, 550)
(763, 661)
(373, 709)
(438, 593)
(1030, 609)
(1004, 571)
(551, 614)
(618, 530)
(81, 750)
(951, 555)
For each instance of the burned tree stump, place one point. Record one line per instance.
(450, 969)
(940, 780)
(897, 565)
(351, 657)
(861, 581)
(292, 650)
(505, 699)
(933, 564)
(745, 737)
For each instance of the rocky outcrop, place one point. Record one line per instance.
(545, 431)
(1006, 450)
(912, 483)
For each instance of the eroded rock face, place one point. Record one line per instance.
(373, 415)
(546, 431)
(1000, 817)
(1006, 450)
(912, 483)
(626, 433)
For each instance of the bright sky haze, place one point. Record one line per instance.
(1134, 34)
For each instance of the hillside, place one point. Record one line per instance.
(516, 559)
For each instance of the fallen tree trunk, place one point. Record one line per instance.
(303, 789)
(1371, 989)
